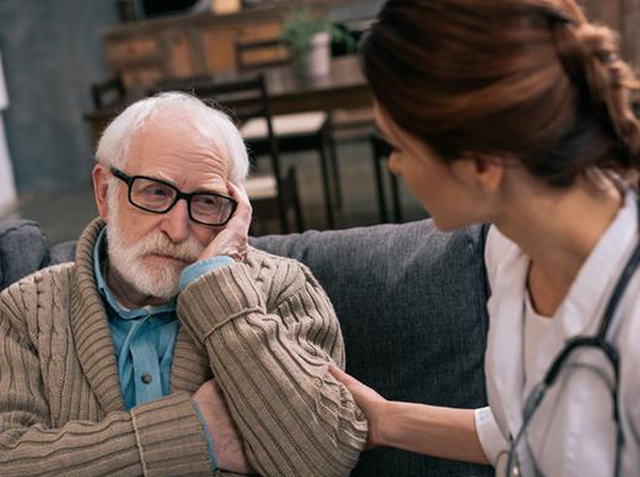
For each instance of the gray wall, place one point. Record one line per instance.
(52, 52)
(361, 9)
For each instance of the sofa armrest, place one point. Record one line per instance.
(23, 250)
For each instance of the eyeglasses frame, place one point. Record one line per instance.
(129, 180)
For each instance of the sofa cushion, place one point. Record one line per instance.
(411, 302)
(23, 250)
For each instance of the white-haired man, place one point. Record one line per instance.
(170, 347)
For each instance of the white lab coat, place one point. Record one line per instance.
(572, 432)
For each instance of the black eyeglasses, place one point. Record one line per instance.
(154, 195)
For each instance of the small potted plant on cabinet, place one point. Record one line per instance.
(308, 37)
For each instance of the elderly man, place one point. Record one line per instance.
(170, 348)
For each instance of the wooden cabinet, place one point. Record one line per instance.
(190, 45)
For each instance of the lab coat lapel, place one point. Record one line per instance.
(504, 359)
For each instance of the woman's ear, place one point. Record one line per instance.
(483, 173)
(100, 190)
(489, 172)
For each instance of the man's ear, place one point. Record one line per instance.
(100, 190)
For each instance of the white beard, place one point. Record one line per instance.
(148, 275)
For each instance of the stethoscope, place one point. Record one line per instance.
(598, 342)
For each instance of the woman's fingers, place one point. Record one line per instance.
(341, 376)
(371, 403)
(364, 396)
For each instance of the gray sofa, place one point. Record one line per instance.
(411, 301)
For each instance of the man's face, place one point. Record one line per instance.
(150, 250)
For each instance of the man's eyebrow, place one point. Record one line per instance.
(217, 191)
(163, 178)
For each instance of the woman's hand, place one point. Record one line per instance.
(374, 406)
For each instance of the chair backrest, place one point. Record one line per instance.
(258, 55)
(245, 97)
(187, 84)
(108, 93)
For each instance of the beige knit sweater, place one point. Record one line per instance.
(264, 328)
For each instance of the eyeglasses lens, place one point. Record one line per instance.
(152, 195)
(159, 197)
(211, 209)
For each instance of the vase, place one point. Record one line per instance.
(316, 62)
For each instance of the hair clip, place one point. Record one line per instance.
(607, 57)
(555, 16)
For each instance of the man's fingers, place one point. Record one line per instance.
(237, 193)
(244, 211)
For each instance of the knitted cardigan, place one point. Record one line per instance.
(264, 328)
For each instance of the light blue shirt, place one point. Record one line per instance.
(144, 339)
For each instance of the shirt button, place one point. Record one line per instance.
(146, 378)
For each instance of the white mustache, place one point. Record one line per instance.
(159, 244)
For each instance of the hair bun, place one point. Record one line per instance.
(590, 55)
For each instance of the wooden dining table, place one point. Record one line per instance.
(344, 88)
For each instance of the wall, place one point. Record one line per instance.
(359, 9)
(52, 53)
(624, 17)
(7, 185)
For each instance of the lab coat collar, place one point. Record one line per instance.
(580, 313)
(505, 357)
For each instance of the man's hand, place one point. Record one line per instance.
(232, 240)
(227, 440)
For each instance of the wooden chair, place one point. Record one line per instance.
(110, 92)
(294, 132)
(381, 152)
(258, 55)
(349, 125)
(273, 195)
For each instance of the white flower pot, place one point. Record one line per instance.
(317, 61)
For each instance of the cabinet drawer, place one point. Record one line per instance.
(260, 31)
(122, 51)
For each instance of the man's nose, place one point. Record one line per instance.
(175, 223)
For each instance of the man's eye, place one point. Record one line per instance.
(207, 201)
(157, 192)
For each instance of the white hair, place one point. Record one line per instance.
(212, 125)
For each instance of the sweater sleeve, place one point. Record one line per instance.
(270, 356)
(160, 438)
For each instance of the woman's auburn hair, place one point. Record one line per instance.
(529, 79)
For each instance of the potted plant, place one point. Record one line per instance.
(308, 37)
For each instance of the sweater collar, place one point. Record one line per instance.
(93, 339)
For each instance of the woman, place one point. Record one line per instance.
(515, 113)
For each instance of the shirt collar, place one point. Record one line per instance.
(100, 257)
(584, 305)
